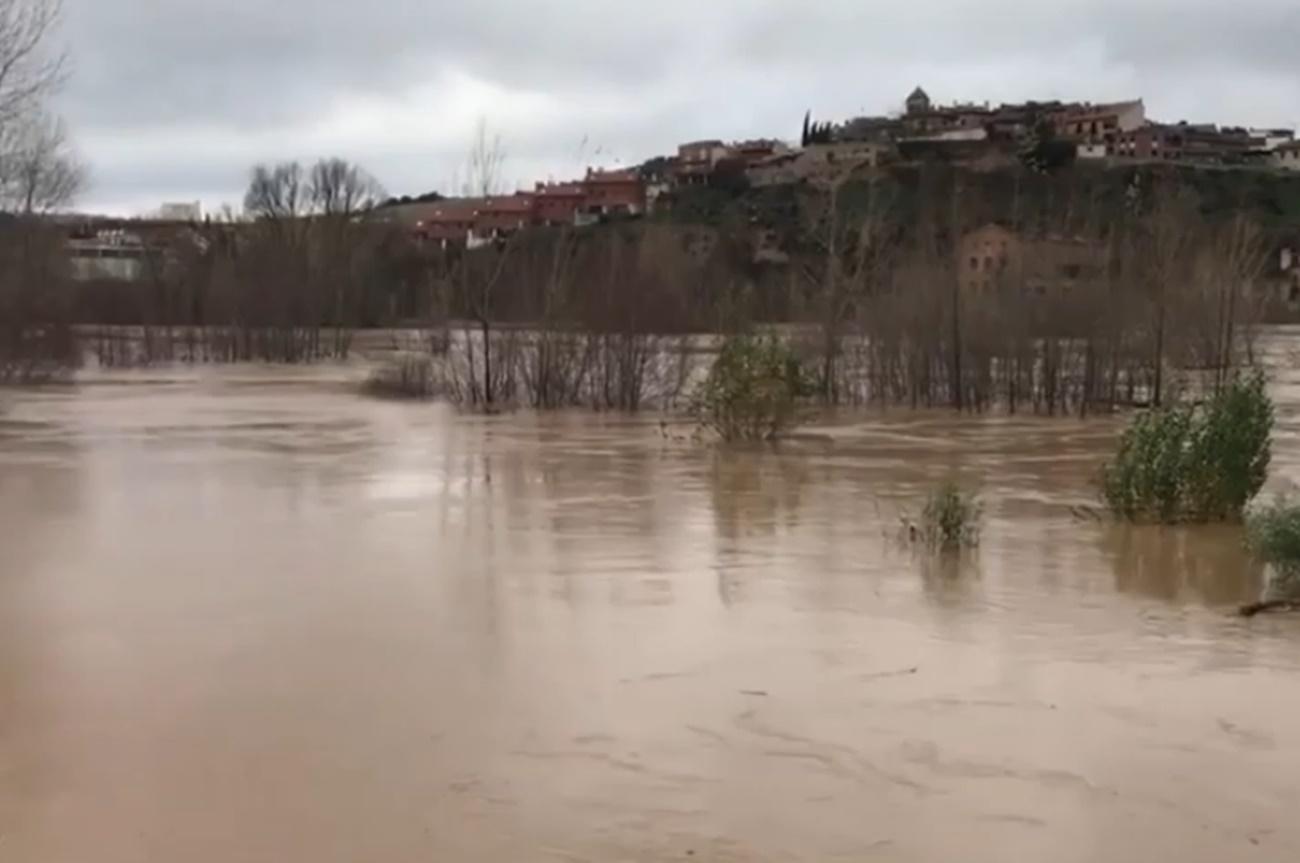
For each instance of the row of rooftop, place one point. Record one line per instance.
(987, 136)
(979, 136)
(1117, 130)
(599, 196)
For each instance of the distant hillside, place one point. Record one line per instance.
(1084, 199)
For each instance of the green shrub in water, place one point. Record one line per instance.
(1193, 463)
(753, 390)
(1273, 534)
(951, 518)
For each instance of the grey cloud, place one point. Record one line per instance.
(254, 61)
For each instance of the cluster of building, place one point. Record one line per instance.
(976, 135)
(599, 196)
(605, 195)
(991, 136)
(127, 250)
(1116, 131)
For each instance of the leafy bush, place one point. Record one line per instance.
(1273, 534)
(1188, 463)
(752, 391)
(1231, 453)
(1146, 478)
(951, 518)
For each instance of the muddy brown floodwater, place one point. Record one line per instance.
(247, 616)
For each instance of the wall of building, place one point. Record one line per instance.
(1287, 158)
(995, 258)
(97, 260)
(611, 192)
(191, 211)
(817, 163)
(988, 258)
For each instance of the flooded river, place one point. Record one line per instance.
(247, 616)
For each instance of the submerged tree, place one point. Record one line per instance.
(753, 390)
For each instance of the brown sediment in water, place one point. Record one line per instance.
(246, 615)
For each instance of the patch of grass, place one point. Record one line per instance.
(1188, 463)
(951, 519)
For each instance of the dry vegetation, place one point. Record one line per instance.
(873, 299)
(872, 289)
(38, 174)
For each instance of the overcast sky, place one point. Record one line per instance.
(174, 100)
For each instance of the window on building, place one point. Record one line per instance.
(988, 263)
(974, 263)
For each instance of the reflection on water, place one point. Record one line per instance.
(248, 616)
(1209, 564)
(950, 579)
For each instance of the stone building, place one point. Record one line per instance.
(696, 161)
(1088, 122)
(918, 102)
(1287, 156)
(996, 260)
(620, 192)
(557, 203)
(818, 163)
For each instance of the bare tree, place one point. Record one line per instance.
(484, 164)
(38, 170)
(340, 188)
(37, 174)
(1166, 244)
(481, 269)
(277, 192)
(28, 70)
(1238, 261)
(340, 192)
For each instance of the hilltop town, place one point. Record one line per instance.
(1040, 135)
(1074, 140)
